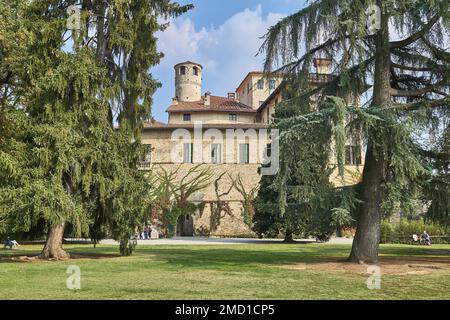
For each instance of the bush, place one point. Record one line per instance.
(403, 231)
(408, 228)
(386, 231)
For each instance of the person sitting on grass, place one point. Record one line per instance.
(11, 243)
(425, 238)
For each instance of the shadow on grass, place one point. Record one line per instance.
(77, 253)
(201, 258)
(244, 256)
(191, 257)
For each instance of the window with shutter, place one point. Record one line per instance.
(187, 153)
(244, 153)
(216, 153)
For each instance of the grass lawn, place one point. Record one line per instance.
(257, 271)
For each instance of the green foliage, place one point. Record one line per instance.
(340, 136)
(408, 228)
(300, 199)
(62, 159)
(404, 229)
(387, 231)
(438, 193)
(406, 115)
(436, 189)
(341, 217)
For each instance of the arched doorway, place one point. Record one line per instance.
(185, 226)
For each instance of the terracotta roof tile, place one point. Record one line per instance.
(163, 126)
(218, 104)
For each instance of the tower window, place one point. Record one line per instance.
(195, 71)
(182, 70)
(232, 116)
(187, 117)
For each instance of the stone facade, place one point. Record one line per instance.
(238, 124)
(230, 222)
(212, 118)
(256, 88)
(188, 81)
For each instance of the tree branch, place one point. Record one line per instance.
(418, 92)
(418, 69)
(421, 104)
(293, 65)
(418, 35)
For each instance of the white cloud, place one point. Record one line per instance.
(180, 41)
(227, 52)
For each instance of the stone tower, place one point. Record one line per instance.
(188, 81)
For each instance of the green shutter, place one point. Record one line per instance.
(187, 153)
(244, 153)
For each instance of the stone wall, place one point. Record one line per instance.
(212, 117)
(168, 150)
(231, 222)
(188, 86)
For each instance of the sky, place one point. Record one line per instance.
(223, 36)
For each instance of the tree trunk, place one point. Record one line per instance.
(53, 246)
(125, 248)
(367, 238)
(288, 237)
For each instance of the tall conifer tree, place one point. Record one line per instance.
(407, 64)
(73, 100)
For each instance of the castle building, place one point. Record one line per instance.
(226, 133)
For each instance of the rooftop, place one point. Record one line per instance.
(189, 62)
(256, 73)
(157, 125)
(217, 104)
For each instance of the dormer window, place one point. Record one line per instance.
(182, 70)
(195, 71)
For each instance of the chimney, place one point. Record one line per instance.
(323, 65)
(231, 95)
(207, 99)
(174, 101)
